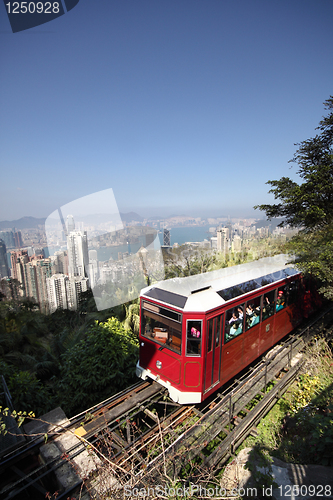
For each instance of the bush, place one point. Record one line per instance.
(100, 365)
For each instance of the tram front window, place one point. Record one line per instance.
(193, 338)
(162, 326)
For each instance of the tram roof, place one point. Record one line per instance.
(202, 292)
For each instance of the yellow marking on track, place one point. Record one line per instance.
(80, 431)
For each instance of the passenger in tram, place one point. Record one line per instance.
(235, 325)
(280, 302)
(195, 332)
(240, 312)
(267, 308)
(252, 315)
(236, 328)
(234, 317)
(249, 310)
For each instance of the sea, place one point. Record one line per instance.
(178, 235)
(183, 234)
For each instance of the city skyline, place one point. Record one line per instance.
(179, 107)
(113, 265)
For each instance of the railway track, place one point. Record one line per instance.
(140, 435)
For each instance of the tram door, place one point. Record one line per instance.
(213, 352)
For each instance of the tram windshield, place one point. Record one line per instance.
(161, 325)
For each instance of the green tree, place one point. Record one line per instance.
(309, 204)
(100, 365)
(132, 320)
(185, 261)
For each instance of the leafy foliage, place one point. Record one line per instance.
(184, 261)
(100, 365)
(27, 391)
(132, 320)
(314, 255)
(35, 351)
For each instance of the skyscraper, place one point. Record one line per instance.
(70, 224)
(77, 248)
(4, 271)
(60, 262)
(36, 273)
(18, 239)
(57, 292)
(74, 287)
(8, 238)
(223, 240)
(166, 238)
(18, 259)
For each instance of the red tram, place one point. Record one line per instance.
(198, 332)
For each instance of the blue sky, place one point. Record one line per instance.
(179, 106)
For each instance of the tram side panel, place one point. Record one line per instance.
(232, 361)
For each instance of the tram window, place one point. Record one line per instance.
(252, 313)
(217, 331)
(193, 338)
(161, 330)
(234, 322)
(210, 334)
(292, 292)
(268, 305)
(281, 298)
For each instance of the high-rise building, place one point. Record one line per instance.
(77, 248)
(74, 287)
(70, 224)
(57, 292)
(93, 268)
(236, 243)
(60, 262)
(36, 273)
(166, 238)
(213, 242)
(18, 239)
(223, 240)
(4, 271)
(18, 259)
(8, 238)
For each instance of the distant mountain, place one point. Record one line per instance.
(156, 217)
(33, 223)
(129, 216)
(23, 223)
(264, 223)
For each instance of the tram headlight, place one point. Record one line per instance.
(159, 364)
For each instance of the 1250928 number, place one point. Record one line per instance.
(32, 7)
(312, 490)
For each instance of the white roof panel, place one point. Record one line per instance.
(185, 293)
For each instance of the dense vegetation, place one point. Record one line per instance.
(68, 359)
